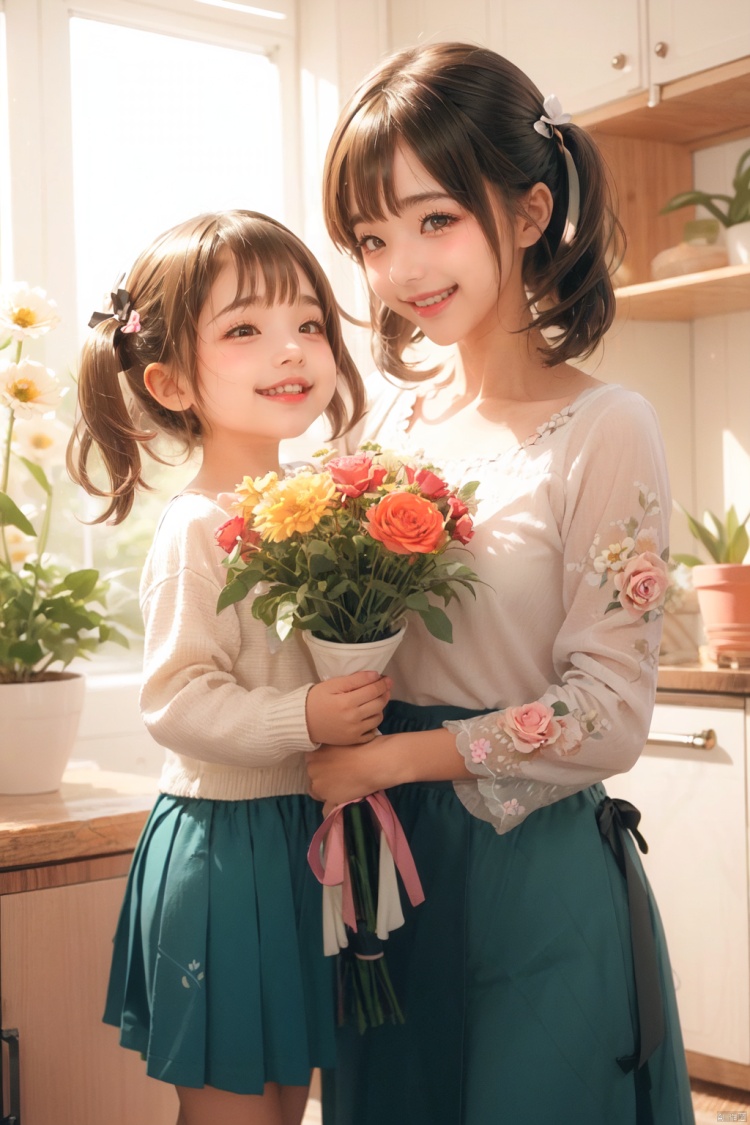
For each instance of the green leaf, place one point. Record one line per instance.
(80, 582)
(12, 516)
(438, 623)
(234, 591)
(688, 560)
(417, 601)
(38, 474)
(738, 546)
(560, 708)
(28, 652)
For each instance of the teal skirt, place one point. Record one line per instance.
(516, 976)
(218, 975)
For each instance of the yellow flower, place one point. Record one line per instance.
(250, 491)
(294, 505)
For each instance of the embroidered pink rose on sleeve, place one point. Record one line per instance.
(642, 583)
(530, 726)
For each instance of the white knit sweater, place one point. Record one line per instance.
(230, 714)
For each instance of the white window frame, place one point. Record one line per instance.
(40, 136)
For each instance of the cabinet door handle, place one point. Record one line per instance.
(661, 49)
(10, 1036)
(706, 740)
(617, 62)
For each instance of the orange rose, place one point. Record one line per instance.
(407, 524)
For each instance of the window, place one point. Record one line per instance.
(127, 118)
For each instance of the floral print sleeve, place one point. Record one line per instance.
(593, 721)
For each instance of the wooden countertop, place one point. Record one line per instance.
(704, 678)
(95, 813)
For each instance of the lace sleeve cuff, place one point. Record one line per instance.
(502, 800)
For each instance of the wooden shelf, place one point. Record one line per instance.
(690, 296)
(701, 110)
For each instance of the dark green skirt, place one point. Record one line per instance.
(516, 975)
(218, 975)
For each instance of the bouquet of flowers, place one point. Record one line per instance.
(345, 549)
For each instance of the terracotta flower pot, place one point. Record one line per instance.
(39, 726)
(724, 599)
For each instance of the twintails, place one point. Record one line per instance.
(154, 319)
(469, 116)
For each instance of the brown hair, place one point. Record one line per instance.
(468, 114)
(168, 286)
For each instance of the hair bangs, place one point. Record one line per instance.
(266, 264)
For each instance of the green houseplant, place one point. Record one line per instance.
(723, 586)
(732, 211)
(50, 614)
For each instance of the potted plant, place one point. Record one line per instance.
(732, 211)
(49, 614)
(723, 586)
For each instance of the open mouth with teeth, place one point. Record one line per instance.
(435, 302)
(286, 391)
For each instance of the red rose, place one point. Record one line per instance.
(227, 535)
(234, 530)
(355, 475)
(463, 530)
(407, 524)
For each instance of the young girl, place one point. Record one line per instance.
(536, 980)
(227, 337)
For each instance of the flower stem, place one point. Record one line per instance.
(4, 482)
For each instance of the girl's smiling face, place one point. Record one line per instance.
(264, 372)
(431, 262)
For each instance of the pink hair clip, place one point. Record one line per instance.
(133, 323)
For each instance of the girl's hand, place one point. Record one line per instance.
(344, 773)
(347, 710)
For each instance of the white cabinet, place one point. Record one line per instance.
(56, 945)
(591, 52)
(587, 53)
(694, 818)
(685, 36)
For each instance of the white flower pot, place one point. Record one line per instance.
(738, 244)
(39, 726)
(331, 658)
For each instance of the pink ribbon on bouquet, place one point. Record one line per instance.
(327, 856)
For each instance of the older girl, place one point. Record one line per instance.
(535, 975)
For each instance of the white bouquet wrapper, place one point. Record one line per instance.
(332, 658)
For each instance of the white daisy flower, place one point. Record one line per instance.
(615, 556)
(42, 440)
(26, 313)
(29, 388)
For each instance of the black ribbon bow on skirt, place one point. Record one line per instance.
(614, 817)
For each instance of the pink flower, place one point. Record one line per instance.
(430, 484)
(530, 726)
(512, 808)
(642, 583)
(456, 508)
(463, 530)
(569, 739)
(355, 475)
(480, 748)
